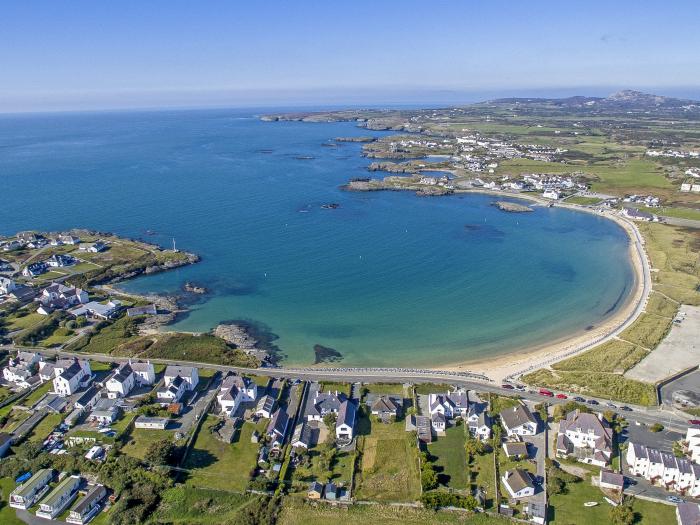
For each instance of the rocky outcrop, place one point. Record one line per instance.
(512, 207)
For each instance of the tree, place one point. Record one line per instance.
(473, 447)
(160, 452)
(622, 515)
(428, 477)
(656, 427)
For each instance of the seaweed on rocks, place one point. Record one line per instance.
(325, 354)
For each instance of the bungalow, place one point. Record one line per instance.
(345, 424)
(277, 429)
(105, 311)
(88, 399)
(151, 423)
(315, 490)
(141, 310)
(144, 373)
(585, 436)
(635, 214)
(302, 437)
(518, 483)
(105, 412)
(611, 480)
(70, 240)
(385, 407)
(189, 374)
(438, 422)
(121, 382)
(87, 506)
(29, 492)
(95, 247)
(515, 449)
(60, 261)
(266, 407)
(59, 498)
(518, 421)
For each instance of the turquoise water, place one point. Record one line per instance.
(386, 279)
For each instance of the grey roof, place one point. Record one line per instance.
(326, 402)
(303, 434)
(515, 449)
(518, 479)
(182, 371)
(86, 503)
(278, 423)
(88, 396)
(586, 422)
(384, 404)
(612, 478)
(72, 371)
(669, 460)
(516, 416)
(688, 513)
(439, 418)
(315, 486)
(140, 366)
(266, 403)
(346, 414)
(440, 400)
(459, 399)
(122, 373)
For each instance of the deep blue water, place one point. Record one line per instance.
(386, 279)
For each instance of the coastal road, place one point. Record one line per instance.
(644, 415)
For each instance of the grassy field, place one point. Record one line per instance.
(340, 387)
(108, 338)
(647, 331)
(451, 459)
(482, 476)
(388, 465)
(614, 356)
(37, 394)
(7, 513)
(340, 471)
(22, 323)
(679, 212)
(45, 427)
(202, 348)
(566, 509)
(584, 201)
(395, 389)
(296, 511)
(500, 403)
(183, 505)
(219, 465)
(139, 440)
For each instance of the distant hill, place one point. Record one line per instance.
(625, 99)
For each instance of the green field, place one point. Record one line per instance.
(108, 338)
(218, 465)
(185, 505)
(483, 476)
(583, 201)
(37, 394)
(388, 463)
(613, 356)
(139, 440)
(45, 427)
(568, 508)
(296, 511)
(451, 459)
(7, 513)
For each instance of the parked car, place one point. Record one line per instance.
(545, 392)
(592, 402)
(626, 408)
(562, 396)
(694, 421)
(579, 399)
(507, 386)
(674, 499)
(520, 387)
(611, 405)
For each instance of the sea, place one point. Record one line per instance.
(383, 278)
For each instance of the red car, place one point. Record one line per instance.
(545, 392)
(562, 396)
(694, 421)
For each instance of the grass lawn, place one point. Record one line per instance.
(184, 505)
(613, 356)
(584, 201)
(45, 427)
(388, 466)
(340, 470)
(22, 323)
(37, 394)
(7, 513)
(203, 348)
(297, 511)
(451, 459)
(340, 387)
(4, 393)
(679, 213)
(431, 388)
(500, 403)
(395, 389)
(483, 476)
(568, 508)
(59, 337)
(647, 331)
(140, 439)
(219, 465)
(14, 418)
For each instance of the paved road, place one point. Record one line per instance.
(645, 415)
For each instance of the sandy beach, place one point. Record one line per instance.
(520, 361)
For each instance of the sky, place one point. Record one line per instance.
(58, 55)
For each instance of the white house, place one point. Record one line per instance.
(7, 285)
(664, 469)
(518, 421)
(97, 310)
(234, 390)
(324, 403)
(438, 422)
(144, 373)
(692, 439)
(277, 429)
(551, 194)
(450, 404)
(57, 296)
(189, 374)
(21, 369)
(479, 422)
(121, 382)
(587, 436)
(518, 483)
(151, 423)
(345, 423)
(88, 399)
(266, 407)
(71, 379)
(172, 391)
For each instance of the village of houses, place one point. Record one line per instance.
(334, 443)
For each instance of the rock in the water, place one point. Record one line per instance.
(325, 354)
